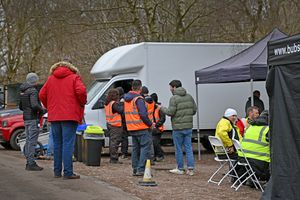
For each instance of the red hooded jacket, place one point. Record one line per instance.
(64, 94)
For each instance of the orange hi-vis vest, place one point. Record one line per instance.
(150, 109)
(132, 117)
(114, 119)
(157, 117)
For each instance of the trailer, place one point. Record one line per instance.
(156, 64)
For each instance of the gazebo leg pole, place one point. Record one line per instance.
(198, 125)
(251, 94)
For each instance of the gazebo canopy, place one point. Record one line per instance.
(248, 64)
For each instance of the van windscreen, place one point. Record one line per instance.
(94, 89)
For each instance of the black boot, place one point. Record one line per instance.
(33, 167)
(115, 162)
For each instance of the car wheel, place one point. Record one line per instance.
(14, 139)
(6, 145)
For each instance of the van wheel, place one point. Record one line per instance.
(6, 145)
(206, 144)
(14, 139)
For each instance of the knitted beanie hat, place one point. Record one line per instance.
(32, 78)
(229, 112)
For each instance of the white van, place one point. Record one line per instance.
(156, 64)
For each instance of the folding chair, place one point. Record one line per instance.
(219, 148)
(249, 174)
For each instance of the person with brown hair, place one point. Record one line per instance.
(138, 125)
(113, 112)
(182, 108)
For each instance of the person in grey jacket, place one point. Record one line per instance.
(181, 108)
(32, 112)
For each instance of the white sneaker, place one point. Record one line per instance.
(190, 172)
(176, 171)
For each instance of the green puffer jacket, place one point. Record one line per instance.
(182, 107)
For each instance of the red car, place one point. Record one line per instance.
(11, 128)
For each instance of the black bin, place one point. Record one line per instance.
(78, 147)
(92, 149)
(83, 149)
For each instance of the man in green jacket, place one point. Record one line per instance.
(181, 108)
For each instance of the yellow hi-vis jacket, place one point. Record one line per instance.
(223, 129)
(255, 144)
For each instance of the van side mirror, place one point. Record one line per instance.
(98, 105)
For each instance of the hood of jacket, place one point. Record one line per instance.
(148, 99)
(130, 95)
(254, 98)
(63, 69)
(26, 86)
(180, 91)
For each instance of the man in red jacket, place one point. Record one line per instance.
(64, 96)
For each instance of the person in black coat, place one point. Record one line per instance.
(157, 131)
(257, 102)
(32, 112)
(124, 143)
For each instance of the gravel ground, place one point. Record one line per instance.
(170, 186)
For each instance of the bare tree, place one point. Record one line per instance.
(35, 34)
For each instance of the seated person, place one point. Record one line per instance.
(226, 130)
(244, 123)
(256, 147)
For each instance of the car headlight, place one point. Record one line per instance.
(4, 123)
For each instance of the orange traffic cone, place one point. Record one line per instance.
(147, 176)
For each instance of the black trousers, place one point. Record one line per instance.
(158, 152)
(261, 168)
(124, 143)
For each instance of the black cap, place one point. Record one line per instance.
(144, 90)
(154, 97)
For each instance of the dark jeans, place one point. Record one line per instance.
(64, 134)
(141, 149)
(158, 152)
(32, 134)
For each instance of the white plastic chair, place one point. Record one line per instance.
(249, 174)
(219, 148)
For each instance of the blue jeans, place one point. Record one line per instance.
(64, 134)
(50, 143)
(141, 149)
(183, 138)
(32, 133)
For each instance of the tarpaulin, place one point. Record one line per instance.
(283, 87)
